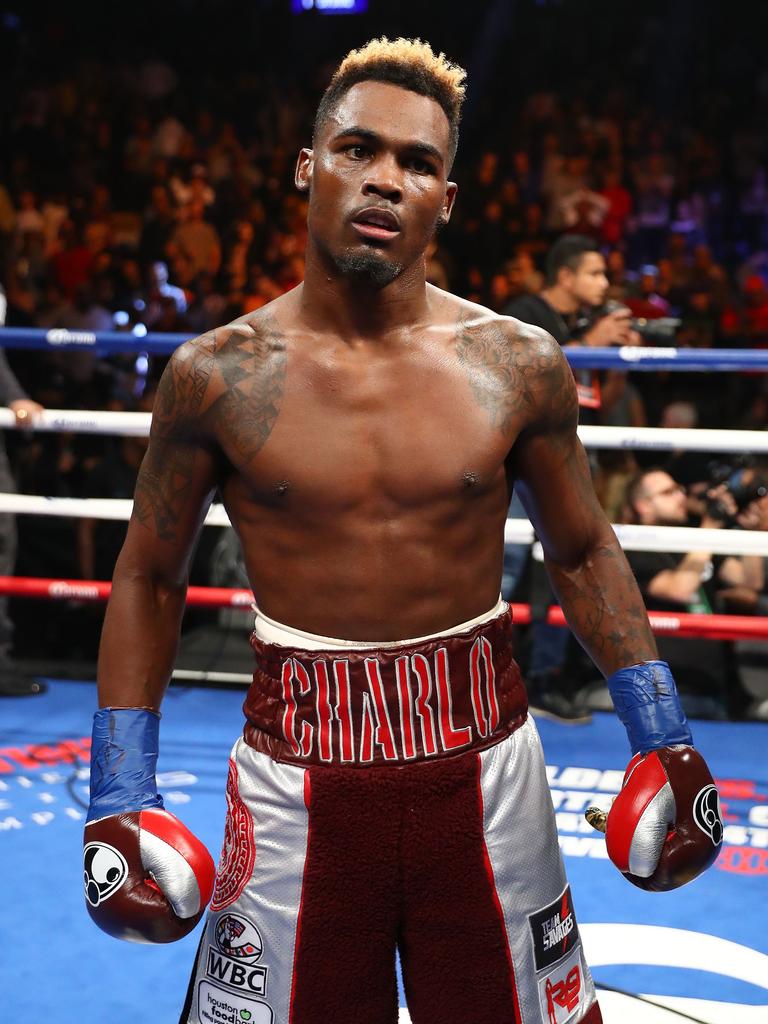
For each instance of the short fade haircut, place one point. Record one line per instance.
(636, 489)
(568, 252)
(409, 63)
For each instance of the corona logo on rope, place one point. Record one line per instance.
(73, 590)
(60, 336)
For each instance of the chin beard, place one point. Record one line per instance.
(367, 266)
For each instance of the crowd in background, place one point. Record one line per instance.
(134, 192)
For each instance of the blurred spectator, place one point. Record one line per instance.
(196, 239)
(704, 669)
(619, 207)
(71, 264)
(160, 293)
(14, 682)
(576, 286)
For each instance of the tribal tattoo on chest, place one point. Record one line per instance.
(223, 390)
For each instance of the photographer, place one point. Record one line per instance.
(751, 597)
(706, 671)
(569, 309)
(575, 289)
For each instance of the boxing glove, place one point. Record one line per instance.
(147, 877)
(664, 827)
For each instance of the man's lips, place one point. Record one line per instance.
(376, 223)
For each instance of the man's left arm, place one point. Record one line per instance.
(585, 563)
(664, 827)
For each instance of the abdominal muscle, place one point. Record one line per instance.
(382, 580)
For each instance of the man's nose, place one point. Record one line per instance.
(384, 179)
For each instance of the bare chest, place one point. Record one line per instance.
(347, 434)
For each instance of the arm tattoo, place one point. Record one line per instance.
(253, 367)
(519, 375)
(248, 367)
(165, 478)
(516, 376)
(605, 610)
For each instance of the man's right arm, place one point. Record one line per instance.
(682, 583)
(173, 491)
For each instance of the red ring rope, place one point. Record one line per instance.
(710, 627)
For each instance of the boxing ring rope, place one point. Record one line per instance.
(713, 627)
(626, 357)
(136, 424)
(517, 531)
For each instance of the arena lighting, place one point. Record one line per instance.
(330, 6)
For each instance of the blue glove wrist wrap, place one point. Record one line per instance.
(646, 701)
(123, 761)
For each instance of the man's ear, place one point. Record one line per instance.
(451, 188)
(304, 167)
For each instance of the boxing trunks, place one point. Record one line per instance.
(383, 800)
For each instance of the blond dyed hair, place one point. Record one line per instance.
(410, 63)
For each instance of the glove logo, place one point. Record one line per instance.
(104, 871)
(706, 813)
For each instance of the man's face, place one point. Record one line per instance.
(588, 282)
(663, 502)
(377, 181)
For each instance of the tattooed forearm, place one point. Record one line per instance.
(518, 376)
(603, 607)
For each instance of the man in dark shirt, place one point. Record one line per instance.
(13, 681)
(576, 285)
(672, 582)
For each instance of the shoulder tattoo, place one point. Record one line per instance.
(252, 362)
(517, 376)
(232, 378)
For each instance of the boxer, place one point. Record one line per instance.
(388, 792)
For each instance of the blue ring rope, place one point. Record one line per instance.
(624, 358)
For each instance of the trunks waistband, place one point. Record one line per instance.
(272, 632)
(363, 707)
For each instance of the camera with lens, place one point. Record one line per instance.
(658, 331)
(743, 481)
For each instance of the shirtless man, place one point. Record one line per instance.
(365, 431)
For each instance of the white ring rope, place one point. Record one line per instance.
(516, 531)
(88, 508)
(136, 424)
(78, 421)
(665, 440)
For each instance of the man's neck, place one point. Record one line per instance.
(561, 300)
(352, 309)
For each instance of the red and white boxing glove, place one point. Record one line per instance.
(147, 877)
(665, 827)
